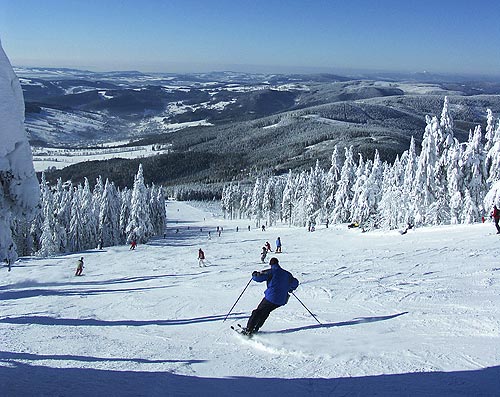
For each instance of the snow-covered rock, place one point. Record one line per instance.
(19, 190)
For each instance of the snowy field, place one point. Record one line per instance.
(401, 315)
(55, 158)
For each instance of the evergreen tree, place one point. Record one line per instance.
(256, 207)
(473, 168)
(287, 198)
(139, 224)
(424, 188)
(109, 216)
(269, 206)
(331, 180)
(314, 195)
(344, 193)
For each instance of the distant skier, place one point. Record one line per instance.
(201, 258)
(263, 228)
(278, 245)
(495, 214)
(268, 246)
(280, 283)
(79, 267)
(263, 254)
(133, 244)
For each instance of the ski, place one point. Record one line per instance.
(241, 331)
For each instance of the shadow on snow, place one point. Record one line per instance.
(19, 378)
(360, 320)
(46, 320)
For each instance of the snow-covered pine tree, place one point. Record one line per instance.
(489, 132)
(331, 179)
(313, 199)
(455, 183)
(410, 161)
(424, 188)
(126, 196)
(109, 216)
(77, 233)
(269, 206)
(343, 195)
(370, 195)
(62, 200)
(157, 209)
(391, 214)
(257, 196)
(493, 157)
(474, 172)
(139, 224)
(287, 198)
(48, 246)
(361, 175)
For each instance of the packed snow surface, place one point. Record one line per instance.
(401, 314)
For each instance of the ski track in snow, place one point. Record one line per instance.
(414, 314)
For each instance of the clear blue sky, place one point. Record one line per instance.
(452, 36)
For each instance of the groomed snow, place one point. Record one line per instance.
(414, 314)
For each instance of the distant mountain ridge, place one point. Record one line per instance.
(272, 122)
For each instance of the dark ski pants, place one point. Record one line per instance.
(260, 315)
(496, 225)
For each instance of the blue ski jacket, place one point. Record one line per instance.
(279, 284)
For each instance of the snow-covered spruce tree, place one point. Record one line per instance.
(445, 133)
(446, 147)
(62, 200)
(360, 176)
(19, 189)
(269, 205)
(391, 214)
(313, 199)
(157, 210)
(493, 157)
(424, 186)
(126, 196)
(455, 182)
(89, 218)
(489, 133)
(109, 216)
(257, 196)
(331, 179)
(230, 200)
(473, 169)
(47, 243)
(287, 198)
(243, 208)
(299, 217)
(410, 161)
(370, 195)
(470, 213)
(493, 196)
(77, 233)
(139, 224)
(343, 196)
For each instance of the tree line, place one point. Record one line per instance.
(447, 183)
(76, 218)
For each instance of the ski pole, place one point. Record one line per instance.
(249, 281)
(306, 308)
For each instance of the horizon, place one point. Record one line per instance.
(260, 37)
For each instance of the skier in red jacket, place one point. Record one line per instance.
(495, 214)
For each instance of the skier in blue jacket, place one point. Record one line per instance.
(279, 285)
